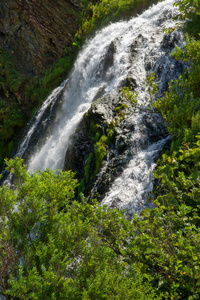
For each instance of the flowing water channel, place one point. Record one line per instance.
(120, 51)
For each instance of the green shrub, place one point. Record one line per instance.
(81, 187)
(189, 11)
(105, 11)
(180, 104)
(55, 247)
(100, 152)
(88, 167)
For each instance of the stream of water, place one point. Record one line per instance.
(120, 51)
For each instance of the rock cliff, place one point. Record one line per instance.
(37, 32)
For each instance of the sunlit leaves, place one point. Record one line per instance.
(53, 247)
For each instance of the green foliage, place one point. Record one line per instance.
(152, 89)
(53, 247)
(88, 167)
(10, 79)
(195, 123)
(179, 175)
(189, 11)
(10, 118)
(121, 110)
(130, 95)
(168, 247)
(191, 53)
(110, 127)
(178, 107)
(101, 143)
(39, 88)
(100, 152)
(180, 104)
(11, 115)
(97, 15)
(187, 8)
(81, 187)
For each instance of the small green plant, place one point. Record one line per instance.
(121, 110)
(102, 141)
(88, 167)
(100, 152)
(81, 186)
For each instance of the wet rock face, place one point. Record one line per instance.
(37, 31)
(128, 139)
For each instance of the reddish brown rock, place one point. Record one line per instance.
(37, 31)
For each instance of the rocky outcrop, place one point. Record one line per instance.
(37, 32)
(110, 113)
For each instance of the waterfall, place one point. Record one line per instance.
(94, 75)
(131, 190)
(127, 49)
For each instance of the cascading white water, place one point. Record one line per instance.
(103, 64)
(91, 75)
(49, 103)
(131, 190)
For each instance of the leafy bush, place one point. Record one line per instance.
(103, 12)
(100, 152)
(53, 247)
(189, 11)
(178, 173)
(180, 105)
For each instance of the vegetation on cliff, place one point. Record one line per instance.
(54, 247)
(101, 13)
